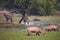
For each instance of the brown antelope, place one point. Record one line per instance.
(36, 30)
(51, 27)
(8, 17)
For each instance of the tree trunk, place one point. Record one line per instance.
(23, 16)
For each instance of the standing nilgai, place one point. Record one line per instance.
(8, 17)
(36, 30)
(7, 14)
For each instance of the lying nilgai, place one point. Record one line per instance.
(51, 27)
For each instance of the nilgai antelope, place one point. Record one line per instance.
(6, 14)
(36, 30)
(51, 27)
(8, 17)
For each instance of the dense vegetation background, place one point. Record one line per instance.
(32, 7)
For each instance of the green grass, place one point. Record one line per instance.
(22, 35)
(55, 18)
(46, 18)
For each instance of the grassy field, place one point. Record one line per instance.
(46, 18)
(22, 35)
(16, 18)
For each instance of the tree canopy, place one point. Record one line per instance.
(31, 7)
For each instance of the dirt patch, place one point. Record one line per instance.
(8, 24)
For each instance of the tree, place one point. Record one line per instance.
(35, 7)
(49, 9)
(23, 4)
(58, 6)
(6, 3)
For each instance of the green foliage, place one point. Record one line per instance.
(58, 6)
(6, 3)
(37, 7)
